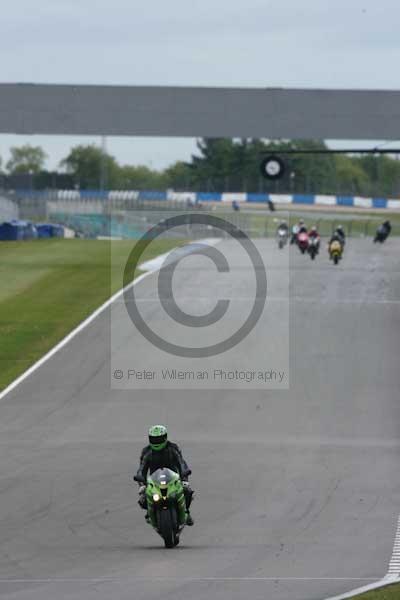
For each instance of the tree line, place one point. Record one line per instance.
(219, 165)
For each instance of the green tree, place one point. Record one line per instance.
(225, 165)
(178, 176)
(350, 176)
(383, 173)
(91, 167)
(218, 162)
(233, 165)
(314, 172)
(26, 159)
(139, 178)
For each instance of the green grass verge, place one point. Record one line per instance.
(48, 287)
(391, 592)
(354, 225)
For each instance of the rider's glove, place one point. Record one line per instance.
(139, 478)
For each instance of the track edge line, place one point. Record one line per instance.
(384, 582)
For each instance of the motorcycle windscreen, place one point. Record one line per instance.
(164, 476)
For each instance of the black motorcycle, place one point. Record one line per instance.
(313, 246)
(382, 233)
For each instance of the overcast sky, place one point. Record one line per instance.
(251, 43)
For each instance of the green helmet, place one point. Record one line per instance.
(158, 436)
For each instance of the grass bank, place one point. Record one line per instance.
(48, 287)
(265, 225)
(391, 592)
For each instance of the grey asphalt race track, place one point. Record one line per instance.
(298, 490)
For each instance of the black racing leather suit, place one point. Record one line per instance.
(169, 457)
(336, 237)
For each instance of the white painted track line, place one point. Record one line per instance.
(368, 588)
(394, 566)
(392, 576)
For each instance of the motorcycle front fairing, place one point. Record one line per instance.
(164, 489)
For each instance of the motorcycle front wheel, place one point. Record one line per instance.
(167, 526)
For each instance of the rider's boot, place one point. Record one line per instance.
(189, 519)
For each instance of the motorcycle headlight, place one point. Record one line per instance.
(156, 497)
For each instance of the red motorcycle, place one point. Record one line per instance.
(303, 241)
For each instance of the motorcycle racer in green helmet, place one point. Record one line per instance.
(161, 453)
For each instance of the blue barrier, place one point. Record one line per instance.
(379, 203)
(152, 195)
(257, 198)
(209, 196)
(344, 201)
(94, 194)
(303, 199)
(156, 195)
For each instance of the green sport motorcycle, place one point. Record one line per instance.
(166, 506)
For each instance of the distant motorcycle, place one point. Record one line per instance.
(235, 205)
(382, 233)
(302, 241)
(335, 251)
(282, 237)
(295, 231)
(313, 246)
